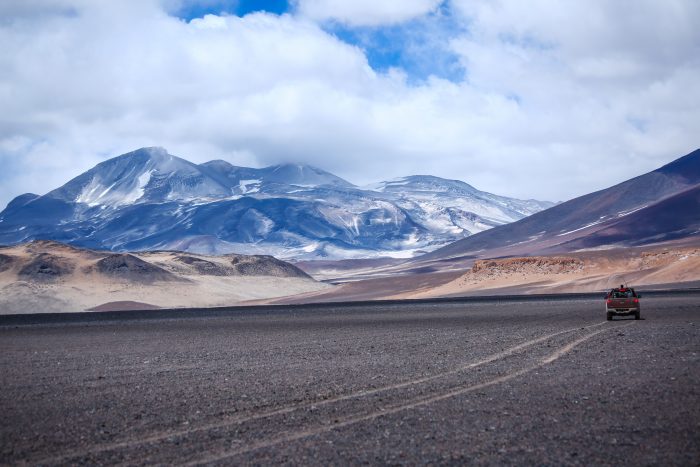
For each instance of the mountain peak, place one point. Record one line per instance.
(146, 173)
(294, 166)
(145, 153)
(153, 150)
(218, 164)
(156, 155)
(302, 175)
(423, 183)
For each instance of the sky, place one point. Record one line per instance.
(544, 99)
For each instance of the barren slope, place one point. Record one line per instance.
(577, 272)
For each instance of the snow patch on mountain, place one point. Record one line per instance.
(97, 193)
(244, 184)
(138, 191)
(382, 186)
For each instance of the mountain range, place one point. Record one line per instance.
(644, 231)
(659, 206)
(149, 199)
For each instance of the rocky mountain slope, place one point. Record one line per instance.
(149, 199)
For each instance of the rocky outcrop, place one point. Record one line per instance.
(46, 267)
(264, 266)
(526, 265)
(204, 267)
(129, 267)
(656, 259)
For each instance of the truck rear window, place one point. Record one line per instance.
(626, 294)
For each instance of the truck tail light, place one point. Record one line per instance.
(609, 302)
(636, 300)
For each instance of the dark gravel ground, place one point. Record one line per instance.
(537, 381)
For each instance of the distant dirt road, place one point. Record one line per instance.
(526, 380)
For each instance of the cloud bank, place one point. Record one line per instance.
(557, 98)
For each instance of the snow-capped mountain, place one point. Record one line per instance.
(146, 175)
(149, 199)
(454, 207)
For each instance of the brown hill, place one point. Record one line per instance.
(46, 276)
(129, 267)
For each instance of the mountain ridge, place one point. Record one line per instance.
(554, 229)
(148, 199)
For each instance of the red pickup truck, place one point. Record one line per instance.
(622, 301)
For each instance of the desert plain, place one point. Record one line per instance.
(517, 380)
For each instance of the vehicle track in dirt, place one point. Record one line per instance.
(228, 422)
(392, 409)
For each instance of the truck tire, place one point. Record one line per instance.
(609, 316)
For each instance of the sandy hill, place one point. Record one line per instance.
(650, 268)
(46, 276)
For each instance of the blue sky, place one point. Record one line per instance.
(491, 93)
(192, 10)
(418, 47)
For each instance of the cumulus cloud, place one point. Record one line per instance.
(555, 91)
(366, 12)
(596, 82)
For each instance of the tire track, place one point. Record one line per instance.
(291, 437)
(231, 421)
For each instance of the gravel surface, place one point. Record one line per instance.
(537, 381)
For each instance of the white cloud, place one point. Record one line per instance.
(366, 12)
(589, 78)
(554, 92)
